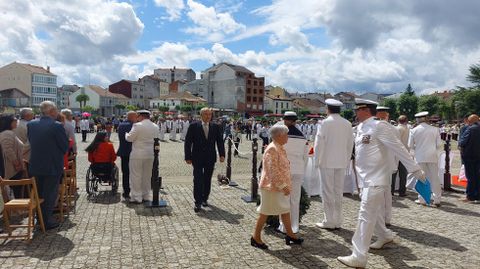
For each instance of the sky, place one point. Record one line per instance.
(302, 45)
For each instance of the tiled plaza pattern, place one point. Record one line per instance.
(107, 233)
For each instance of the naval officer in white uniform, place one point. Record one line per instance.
(372, 142)
(333, 150)
(297, 152)
(425, 141)
(141, 158)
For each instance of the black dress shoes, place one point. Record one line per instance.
(52, 226)
(197, 208)
(205, 204)
(254, 243)
(290, 240)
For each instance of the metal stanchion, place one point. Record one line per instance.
(156, 179)
(231, 183)
(447, 183)
(254, 184)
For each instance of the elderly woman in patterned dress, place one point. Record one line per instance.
(275, 186)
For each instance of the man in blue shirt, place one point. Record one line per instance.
(48, 143)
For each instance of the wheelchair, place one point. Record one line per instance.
(102, 174)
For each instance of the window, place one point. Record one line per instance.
(281, 105)
(287, 105)
(249, 99)
(249, 82)
(260, 91)
(254, 91)
(254, 99)
(249, 90)
(261, 83)
(260, 99)
(254, 83)
(276, 104)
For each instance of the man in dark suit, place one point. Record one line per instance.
(200, 152)
(470, 150)
(48, 143)
(124, 150)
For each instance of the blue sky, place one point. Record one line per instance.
(302, 45)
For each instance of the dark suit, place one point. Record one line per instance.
(470, 144)
(49, 143)
(124, 152)
(201, 151)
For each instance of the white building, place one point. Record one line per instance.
(100, 99)
(173, 74)
(277, 104)
(177, 99)
(36, 82)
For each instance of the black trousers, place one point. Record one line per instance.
(18, 191)
(84, 135)
(472, 172)
(202, 181)
(402, 174)
(125, 175)
(48, 191)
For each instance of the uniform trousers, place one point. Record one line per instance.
(162, 135)
(141, 179)
(332, 180)
(295, 196)
(173, 134)
(371, 221)
(183, 135)
(431, 171)
(388, 203)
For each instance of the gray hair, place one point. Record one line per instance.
(204, 109)
(67, 112)
(278, 129)
(46, 107)
(25, 111)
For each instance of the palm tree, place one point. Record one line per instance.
(474, 76)
(82, 99)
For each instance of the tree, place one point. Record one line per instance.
(466, 101)
(446, 110)
(304, 112)
(474, 76)
(348, 114)
(120, 106)
(392, 104)
(186, 108)
(82, 99)
(163, 108)
(131, 107)
(429, 103)
(408, 104)
(409, 90)
(89, 109)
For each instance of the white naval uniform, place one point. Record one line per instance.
(141, 159)
(393, 164)
(297, 152)
(163, 129)
(333, 150)
(173, 130)
(426, 142)
(185, 125)
(372, 141)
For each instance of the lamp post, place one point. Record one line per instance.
(254, 183)
(156, 179)
(231, 183)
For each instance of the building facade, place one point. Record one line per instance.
(105, 102)
(36, 82)
(177, 99)
(134, 90)
(277, 104)
(228, 86)
(63, 94)
(173, 74)
(313, 105)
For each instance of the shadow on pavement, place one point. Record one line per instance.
(58, 246)
(459, 211)
(401, 254)
(427, 239)
(104, 197)
(218, 214)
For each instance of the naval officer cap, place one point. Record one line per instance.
(383, 108)
(421, 114)
(143, 112)
(362, 103)
(333, 102)
(290, 115)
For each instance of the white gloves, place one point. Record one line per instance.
(420, 175)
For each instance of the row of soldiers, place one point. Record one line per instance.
(379, 151)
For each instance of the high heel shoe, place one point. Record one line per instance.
(254, 243)
(296, 241)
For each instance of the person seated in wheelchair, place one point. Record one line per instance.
(101, 156)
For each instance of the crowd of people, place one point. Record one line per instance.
(375, 147)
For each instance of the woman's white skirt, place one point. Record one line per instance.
(273, 203)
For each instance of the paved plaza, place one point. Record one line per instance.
(105, 232)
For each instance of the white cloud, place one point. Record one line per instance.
(173, 7)
(210, 23)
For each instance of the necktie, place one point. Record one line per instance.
(205, 129)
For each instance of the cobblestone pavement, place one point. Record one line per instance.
(105, 232)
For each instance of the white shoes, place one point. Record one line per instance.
(418, 202)
(322, 225)
(351, 261)
(381, 242)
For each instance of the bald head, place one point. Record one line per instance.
(472, 119)
(132, 116)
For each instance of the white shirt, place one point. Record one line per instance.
(373, 141)
(426, 142)
(334, 142)
(141, 136)
(404, 134)
(84, 125)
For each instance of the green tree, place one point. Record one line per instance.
(120, 106)
(429, 103)
(163, 108)
(82, 99)
(474, 76)
(186, 108)
(408, 103)
(409, 90)
(304, 112)
(392, 104)
(89, 109)
(348, 114)
(466, 101)
(131, 107)
(446, 110)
